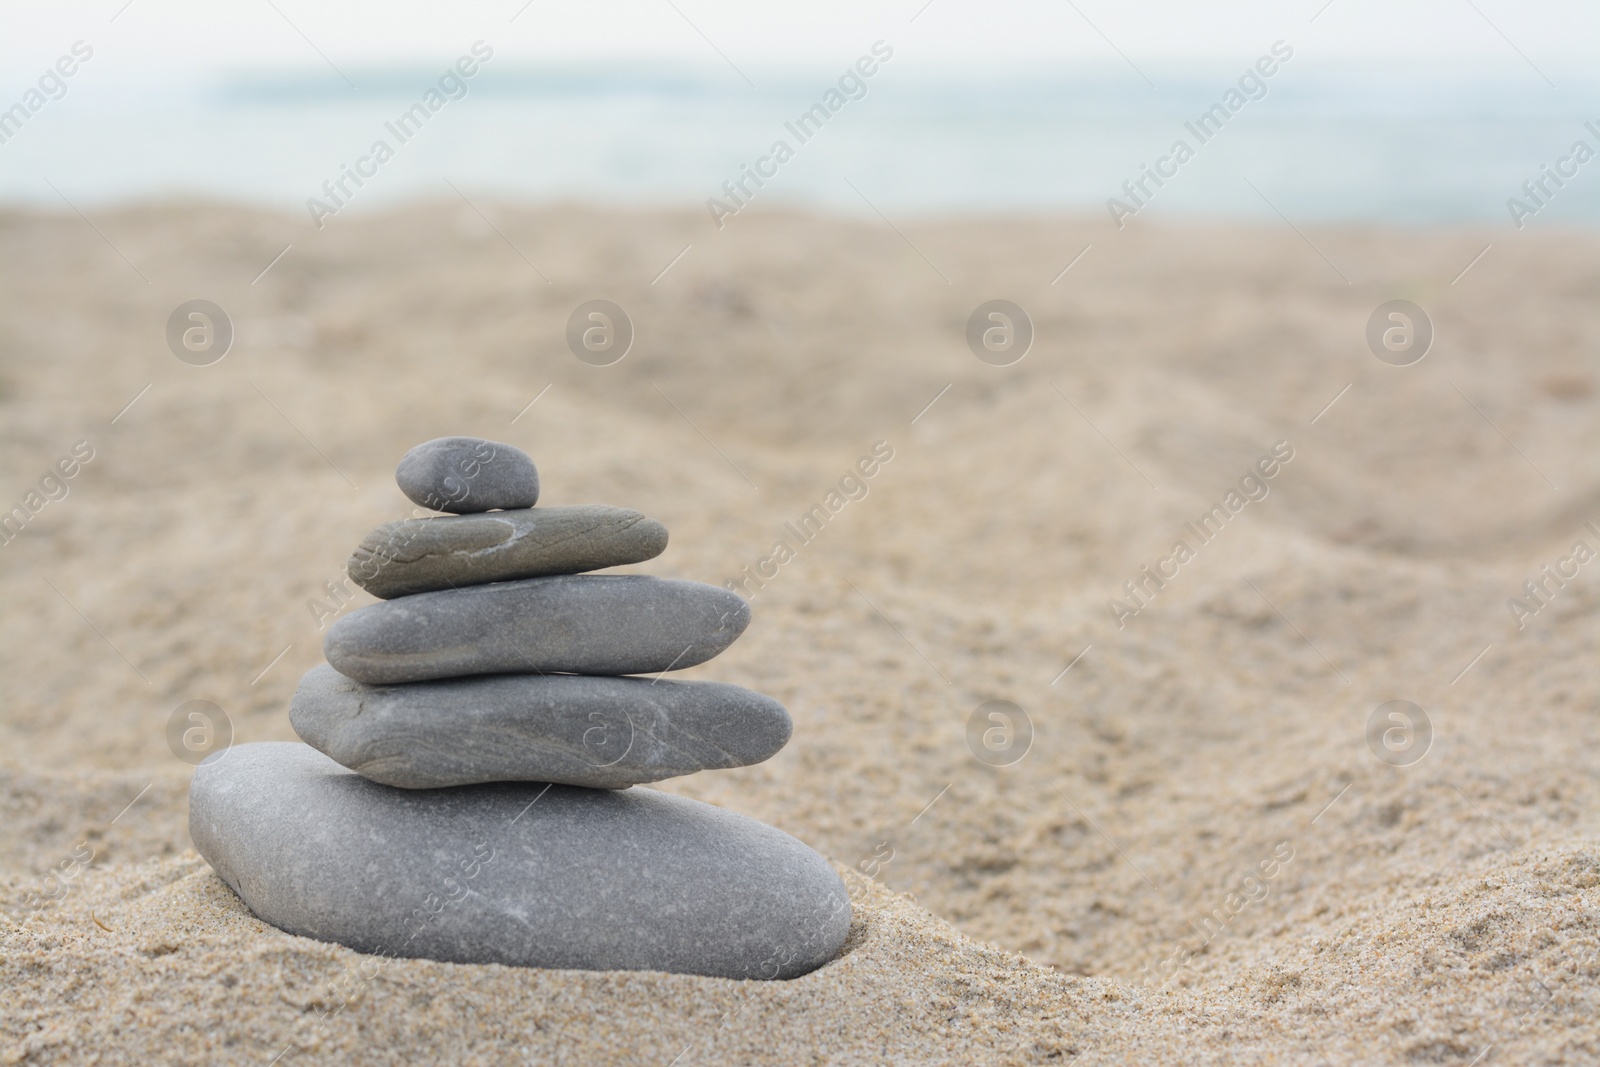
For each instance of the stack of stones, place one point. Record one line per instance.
(464, 790)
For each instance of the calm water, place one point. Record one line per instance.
(1412, 152)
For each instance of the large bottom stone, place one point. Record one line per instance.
(519, 874)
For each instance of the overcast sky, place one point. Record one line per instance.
(177, 39)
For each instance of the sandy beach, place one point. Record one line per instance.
(1206, 854)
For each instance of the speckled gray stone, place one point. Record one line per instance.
(577, 624)
(421, 555)
(518, 874)
(605, 733)
(468, 474)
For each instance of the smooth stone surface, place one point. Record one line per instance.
(420, 555)
(525, 875)
(468, 474)
(574, 624)
(605, 733)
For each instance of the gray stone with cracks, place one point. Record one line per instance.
(422, 555)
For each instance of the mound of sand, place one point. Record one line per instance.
(1200, 858)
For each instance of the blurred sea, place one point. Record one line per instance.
(1418, 151)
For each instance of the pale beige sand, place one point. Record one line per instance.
(1445, 912)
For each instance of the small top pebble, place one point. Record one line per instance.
(465, 475)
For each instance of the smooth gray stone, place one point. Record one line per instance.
(421, 555)
(574, 624)
(605, 733)
(524, 875)
(468, 474)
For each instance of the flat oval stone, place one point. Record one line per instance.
(468, 474)
(573, 624)
(606, 733)
(442, 552)
(522, 875)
